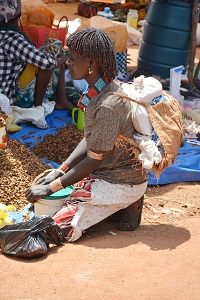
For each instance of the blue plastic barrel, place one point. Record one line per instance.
(166, 37)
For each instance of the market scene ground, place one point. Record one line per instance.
(160, 260)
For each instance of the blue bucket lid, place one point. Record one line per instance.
(61, 194)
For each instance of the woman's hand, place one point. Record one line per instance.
(54, 174)
(37, 191)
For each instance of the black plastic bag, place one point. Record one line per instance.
(31, 238)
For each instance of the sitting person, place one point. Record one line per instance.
(27, 75)
(104, 168)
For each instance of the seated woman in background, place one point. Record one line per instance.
(28, 75)
(104, 168)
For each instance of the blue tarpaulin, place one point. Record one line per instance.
(186, 167)
(31, 135)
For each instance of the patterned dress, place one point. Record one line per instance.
(120, 180)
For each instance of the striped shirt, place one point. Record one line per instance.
(15, 53)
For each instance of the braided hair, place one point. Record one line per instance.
(95, 44)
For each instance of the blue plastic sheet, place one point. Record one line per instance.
(19, 216)
(31, 135)
(186, 167)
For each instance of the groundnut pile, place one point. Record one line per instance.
(58, 147)
(19, 166)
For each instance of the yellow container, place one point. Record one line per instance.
(3, 135)
(132, 18)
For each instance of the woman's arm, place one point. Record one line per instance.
(83, 169)
(18, 47)
(79, 153)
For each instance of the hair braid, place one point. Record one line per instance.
(95, 44)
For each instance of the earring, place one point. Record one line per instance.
(90, 70)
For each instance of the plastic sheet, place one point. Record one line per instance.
(31, 135)
(185, 169)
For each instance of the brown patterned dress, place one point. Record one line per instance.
(109, 130)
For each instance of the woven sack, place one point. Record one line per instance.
(36, 13)
(166, 120)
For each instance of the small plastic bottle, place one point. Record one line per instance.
(106, 13)
(132, 18)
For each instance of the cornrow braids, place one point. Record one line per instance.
(95, 44)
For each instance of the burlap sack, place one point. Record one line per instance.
(36, 14)
(166, 119)
(116, 30)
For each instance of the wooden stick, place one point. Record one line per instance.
(193, 41)
(196, 73)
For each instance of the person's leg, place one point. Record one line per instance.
(25, 86)
(128, 219)
(61, 98)
(42, 80)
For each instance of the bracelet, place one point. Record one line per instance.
(63, 167)
(56, 185)
(98, 156)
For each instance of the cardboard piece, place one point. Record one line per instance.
(116, 30)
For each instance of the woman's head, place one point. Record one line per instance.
(95, 45)
(9, 10)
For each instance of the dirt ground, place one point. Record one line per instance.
(158, 261)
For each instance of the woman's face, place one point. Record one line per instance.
(77, 65)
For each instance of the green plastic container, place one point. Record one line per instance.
(166, 37)
(61, 194)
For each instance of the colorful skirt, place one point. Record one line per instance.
(25, 84)
(93, 200)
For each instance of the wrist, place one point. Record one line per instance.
(49, 191)
(56, 185)
(64, 167)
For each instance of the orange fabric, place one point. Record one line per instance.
(36, 13)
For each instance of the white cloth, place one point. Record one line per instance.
(143, 89)
(73, 25)
(48, 106)
(4, 103)
(150, 154)
(106, 199)
(141, 119)
(35, 115)
(134, 36)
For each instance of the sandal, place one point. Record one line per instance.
(130, 219)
